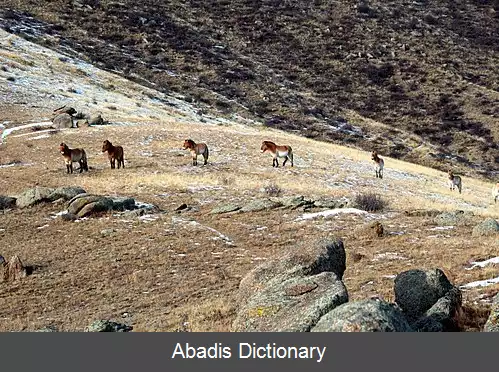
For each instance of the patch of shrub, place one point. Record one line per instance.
(370, 202)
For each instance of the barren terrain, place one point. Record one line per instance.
(179, 270)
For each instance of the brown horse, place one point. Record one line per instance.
(196, 149)
(379, 164)
(73, 155)
(278, 151)
(114, 153)
(455, 181)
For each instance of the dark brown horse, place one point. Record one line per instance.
(114, 153)
(73, 155)
(196, 149)
(379, 164)
(278, 151)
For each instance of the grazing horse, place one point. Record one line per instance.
(455, 181)
(495, 192)
(114, 153)
(278, 151)
(73, 155)
(196, 149)
(379, 164)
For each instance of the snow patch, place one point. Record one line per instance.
(490, 261)
(481, 283)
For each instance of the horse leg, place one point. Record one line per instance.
(71, 167)
(285, 160)
(82, 165)
(67, 168)
(194, 160)
(381, 173)
(119, 163)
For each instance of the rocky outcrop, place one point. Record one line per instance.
(108, 326)
(492, 324)
(40, 194)
(488, 227)
(364, 316)
(292, 293)
(428, 299)
(62, 121)
(7, 202)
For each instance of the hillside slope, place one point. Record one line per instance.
(180, 269)
(415, 80)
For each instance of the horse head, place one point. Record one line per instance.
(106, 145)
(189, 144)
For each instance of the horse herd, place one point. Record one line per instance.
(116, 154)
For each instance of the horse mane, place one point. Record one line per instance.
(190, 142)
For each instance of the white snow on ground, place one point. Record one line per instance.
(14, 164)
(8, 131)
(490, 261)
(388, 256)
(192, 223)
(333, 212)
(481, 283)
(442, 228)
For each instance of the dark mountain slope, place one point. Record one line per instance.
(424, 72)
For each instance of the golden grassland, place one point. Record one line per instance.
(173, 273)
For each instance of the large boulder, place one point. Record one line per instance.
(492, 324)
(34, 196)
(364, 316)
(84, 205)
(487, 227)
(291, 304)
(65, 110)
(324, 255)
(261, 205)
(428, 299)
(66, 192)
(96, 119)
(62, 121)
(7, 202)
(293, 292)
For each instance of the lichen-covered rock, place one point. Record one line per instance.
(261, 205)
(486, 228)
(34, 196)
(107, 326)
(492, 324)
(291, 305)
(12, 270)
(323, 255)
(364, 316)
(330, 203)
(66, 193)
(453, 218)
(123, 203)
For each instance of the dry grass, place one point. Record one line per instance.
(140, 274)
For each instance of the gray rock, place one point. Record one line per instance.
(123, 203)
(107, 326)
(324, 255)
(96, 120)
(330, 203)
(293, 202)
(12, 270)
(34, 196)
(68, 217)
(486, 228)
(492, 324)
(66, 193)
(364, 316)
(63, 120)
(416, 291)
(291, 305)
(261, 205)
(107, 232)
(225, 209)
(7, 202)
(452, 218)
(102, 205)
(442, 316)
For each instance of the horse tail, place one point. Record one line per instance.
(290, 155)
(206, 154)
(84, 160)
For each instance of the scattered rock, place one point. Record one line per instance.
(452, 218)
(96, 120)
(364, 316)
(107, 326)
(181, 207)
(423, 213)
(330, 203)
(63, 121)
(492, 324)
(427, 298)
(48, 329)
(69, 217)
(486, 228)
(7, 202)
(225, 209)
(34, 196)
(261, 205)
(107, 232)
